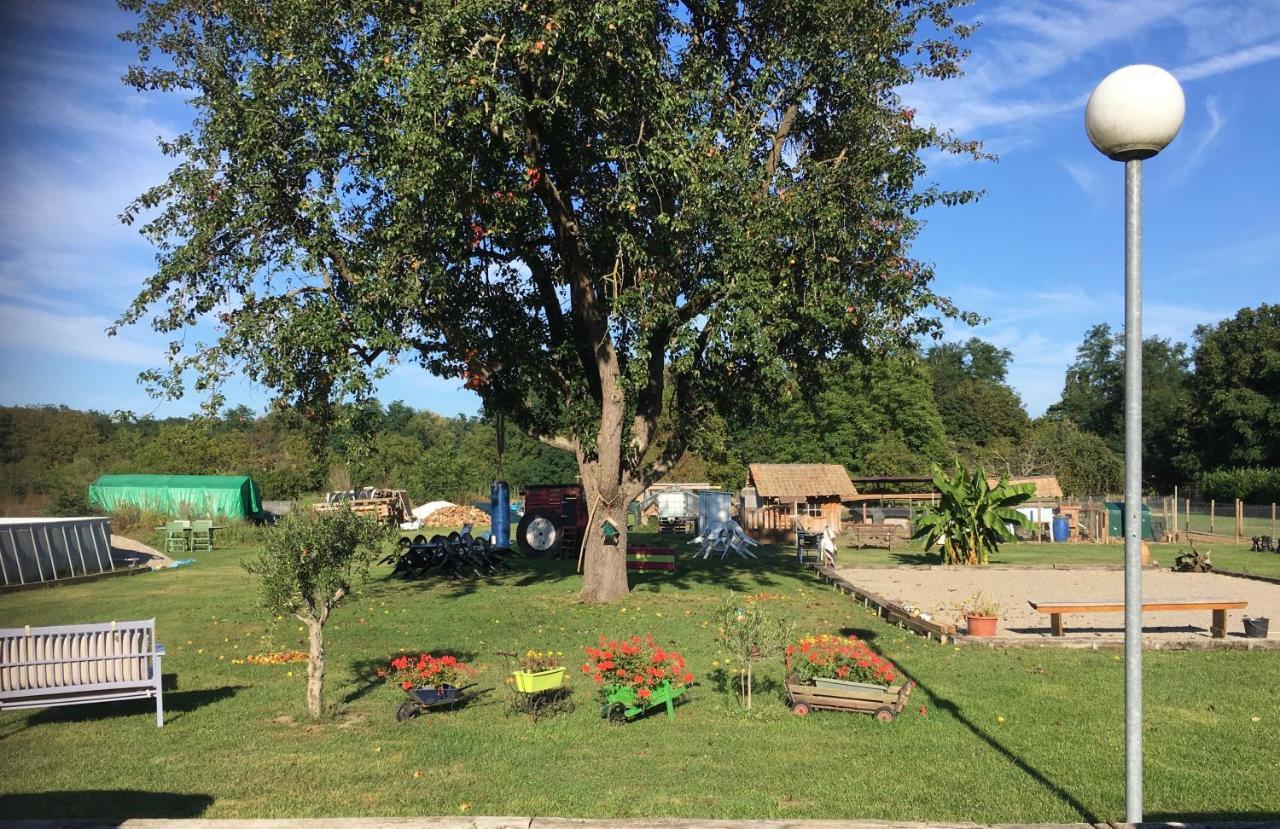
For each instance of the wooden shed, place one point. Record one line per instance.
(814, 493)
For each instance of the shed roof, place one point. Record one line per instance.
(801, 480)
(1047, 486)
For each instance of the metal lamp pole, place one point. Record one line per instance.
(1132, 115)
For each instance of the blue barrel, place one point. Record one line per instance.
(500, 509)
(1061, 528)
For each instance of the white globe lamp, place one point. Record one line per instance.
(1134, 112)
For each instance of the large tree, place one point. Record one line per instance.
(978, 408)
(1093, 398)
(1237, 389)
(592, 211)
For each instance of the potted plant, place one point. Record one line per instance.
(636, 674)
(428, 678)
(981, 613)
(840, 662)
(539, 671)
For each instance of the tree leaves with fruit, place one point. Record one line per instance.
(596, 214)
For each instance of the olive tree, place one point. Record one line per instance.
(310, 563)
(600, 215)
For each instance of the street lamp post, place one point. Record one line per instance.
(1131, 115)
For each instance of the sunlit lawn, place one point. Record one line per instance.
(1014, 735)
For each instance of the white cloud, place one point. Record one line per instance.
(34, 331)
(1023, 72)
(1229, 62)
(1085, 176)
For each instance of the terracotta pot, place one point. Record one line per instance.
(981, 625)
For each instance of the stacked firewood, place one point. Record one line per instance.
(456, 516)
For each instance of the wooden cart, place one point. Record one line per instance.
(885, 704)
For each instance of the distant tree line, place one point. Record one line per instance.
(1211, 420)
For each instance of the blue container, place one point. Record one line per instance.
(500, 510)
(1061, 529)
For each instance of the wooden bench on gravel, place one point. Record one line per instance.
(1219, 607)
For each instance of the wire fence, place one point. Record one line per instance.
(1173, 517)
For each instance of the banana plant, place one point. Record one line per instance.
(972, 518)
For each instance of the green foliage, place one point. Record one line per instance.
(1093, 397)
(972, 517)
(977, 408)
(312, 561)
(1237, 389)
(1254, 485)
(1083, 462)
(873, 417)
(750, 634)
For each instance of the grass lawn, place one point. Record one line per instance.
(1016, 735)
(1226, 556)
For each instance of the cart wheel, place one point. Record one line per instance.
(406, 711)
(617, 713)
(885, 714)
(538, 707)
(800, 709)
(563, 702)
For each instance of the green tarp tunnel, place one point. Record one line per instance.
(1115, 521)
(236, 496)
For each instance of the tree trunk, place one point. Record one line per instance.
(315, 670)
(604, 566)
(604, 573)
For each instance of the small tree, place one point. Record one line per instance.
(972, 518)
(751, 634)
(310, 564)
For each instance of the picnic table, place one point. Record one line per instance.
(1219, 607)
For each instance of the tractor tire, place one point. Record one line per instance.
(539, 534)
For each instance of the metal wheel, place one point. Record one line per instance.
(800, 709)
(885, 714)
(539, 706)
(407, 711)
(539, 535)
(616, 713)
(563, 702)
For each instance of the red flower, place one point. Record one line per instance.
(923, 712)
(406, 685)
(643, 693)
(687, 678)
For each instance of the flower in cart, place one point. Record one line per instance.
(427, 670)
(839, 658)
(534, 661)
(636, 663)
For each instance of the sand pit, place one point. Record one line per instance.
(935, 590)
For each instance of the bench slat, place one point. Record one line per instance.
(1084, 606)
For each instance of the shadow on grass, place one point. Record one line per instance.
(944, 704)
(176, 705)
(103, 805)
(772, 565)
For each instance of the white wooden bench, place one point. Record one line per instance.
(1217, 630)
(44, 667)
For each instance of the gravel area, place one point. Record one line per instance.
(935, 590)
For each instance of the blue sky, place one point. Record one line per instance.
(1040, 255)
